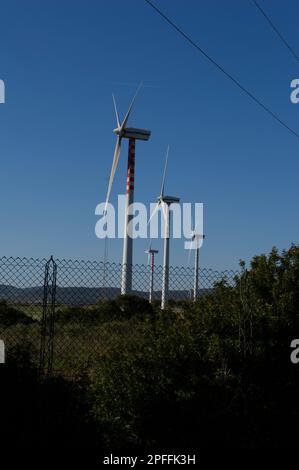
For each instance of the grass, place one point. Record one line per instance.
(78, 347)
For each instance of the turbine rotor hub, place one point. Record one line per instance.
(118, 131)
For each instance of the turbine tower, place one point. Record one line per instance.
(165, 203)
(195, 239)
(151, 261)
(132, 134)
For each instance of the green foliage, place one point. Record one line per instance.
(122, 308)
(274, 281)
(190, 383)
(132, 305)
(215, 373)
(43, 413)
(11, 316)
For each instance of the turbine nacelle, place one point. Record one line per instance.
(197, 236)
(133, 133)
(151, 250)
(169, 200)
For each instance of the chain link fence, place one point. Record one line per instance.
(71, 312)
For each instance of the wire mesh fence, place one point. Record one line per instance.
(75, 312)
(21, 301)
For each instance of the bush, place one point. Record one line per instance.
(132, 305)
(122, 308)
(216, 373)
(47, 413)
(11, 316)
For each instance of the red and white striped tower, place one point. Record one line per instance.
(132, 134)
(126, 277)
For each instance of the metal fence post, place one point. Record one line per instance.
(48, 318)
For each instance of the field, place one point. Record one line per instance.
(79, 341)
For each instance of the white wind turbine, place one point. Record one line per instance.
(165, 202)
(151, 262)
(195, 245)
(132, 134)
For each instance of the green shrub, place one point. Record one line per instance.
(11, 316)
(122, 308)
(51, 414)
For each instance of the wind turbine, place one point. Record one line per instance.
(195, 239)
(151, 262)
(132, 134)
(165, 202)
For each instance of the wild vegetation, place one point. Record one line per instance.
(215, 373)
(11, 316)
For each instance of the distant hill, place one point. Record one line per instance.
(78, 295)
(18, 294)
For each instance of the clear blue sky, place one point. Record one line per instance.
(61, 60)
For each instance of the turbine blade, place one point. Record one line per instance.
(124, 123)
(116, 112)
(113, 169)
(164, 210)
(164, 173)
(154, 212)
(195, 231)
